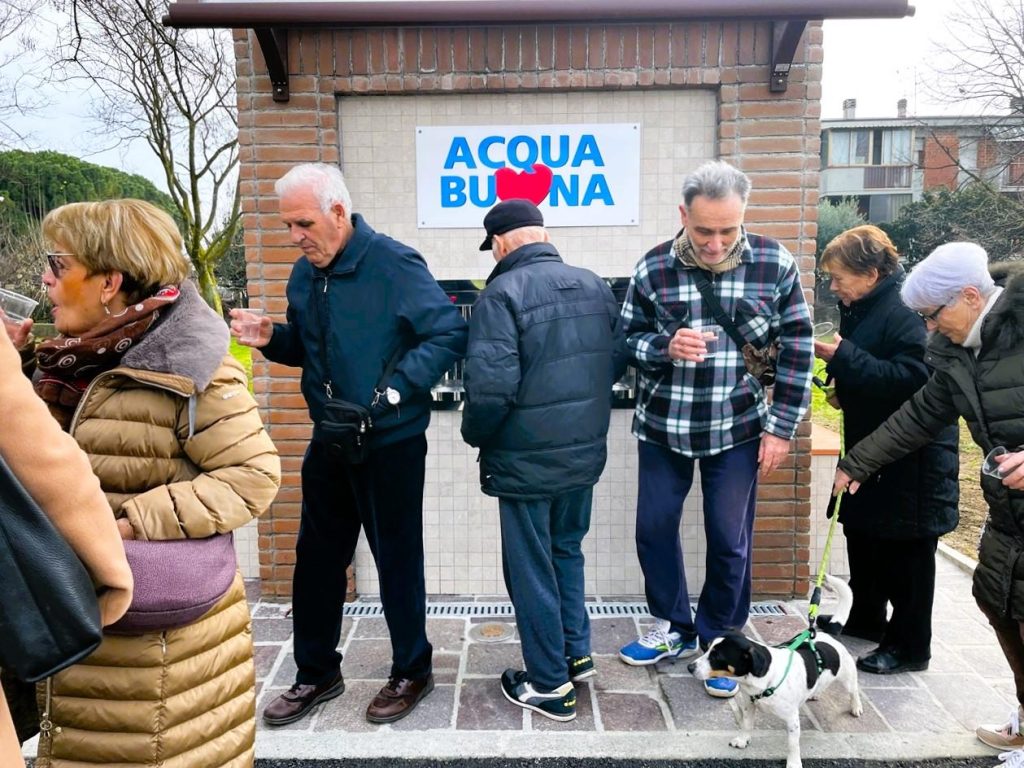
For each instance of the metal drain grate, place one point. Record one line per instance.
(360, 609)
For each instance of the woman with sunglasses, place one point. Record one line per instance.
(976, 350)
(892, 526)
(141, 378)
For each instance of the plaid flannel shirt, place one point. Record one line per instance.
(701, 409)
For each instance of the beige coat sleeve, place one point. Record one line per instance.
(57, 474)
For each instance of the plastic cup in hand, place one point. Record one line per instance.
(706, 332)
(824, 328)
(990, 466)
(16, 306)
(251, 320)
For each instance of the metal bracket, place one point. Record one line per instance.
(274, 44)
(785, 39)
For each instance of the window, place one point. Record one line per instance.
(896, 147)
(850, 147)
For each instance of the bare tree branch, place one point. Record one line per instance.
(174, 89)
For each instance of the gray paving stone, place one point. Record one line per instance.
(371, 626)
(275, 630)
(870, 681)
(773, 630)
(615, 675)
(286, 672)
(491, 659)
(832, 713)
(969, 699)
(432, 713)
(368, 659)
(692, 709)
(912, 710)
(446, 668)
(963, 631)
(264, 657)
(348, 711)
(447, 634)
(609, 635)
(584, 714)
(630, 712)
(482, 707)
(271, 610)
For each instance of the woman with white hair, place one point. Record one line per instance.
(977, 355)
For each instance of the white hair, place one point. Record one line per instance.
(939, 278)
(326, 182)
(716, 180)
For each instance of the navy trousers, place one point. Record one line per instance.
(383, 496)
(729, 485)
(542, 559)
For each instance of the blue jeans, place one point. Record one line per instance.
(543, 564)
(729, 483)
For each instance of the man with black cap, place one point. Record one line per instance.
(545, 347)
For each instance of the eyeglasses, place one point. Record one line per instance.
(933, 317)
(55, 264)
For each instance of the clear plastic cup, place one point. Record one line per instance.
(824, 328)
(706, 332)
(16, 306)
(990, 466)
(251, 319)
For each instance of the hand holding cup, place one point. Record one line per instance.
(251, 326)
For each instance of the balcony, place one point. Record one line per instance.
(888, 176)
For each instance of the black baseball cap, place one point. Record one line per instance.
(508, 215)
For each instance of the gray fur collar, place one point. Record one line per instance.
(188, 340)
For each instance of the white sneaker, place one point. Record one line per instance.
(1006, 736)
(1014, 759)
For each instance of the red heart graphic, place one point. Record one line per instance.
(528, 186)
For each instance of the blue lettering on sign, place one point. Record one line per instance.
(454, 191)
(522, 152)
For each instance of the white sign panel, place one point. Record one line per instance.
(578, 175)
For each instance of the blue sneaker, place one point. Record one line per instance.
(656, 645)
(721, 687)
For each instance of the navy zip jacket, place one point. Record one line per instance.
(345, 321)
(545, 347)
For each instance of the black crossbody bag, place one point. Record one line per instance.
(346, 427)
(760, 362)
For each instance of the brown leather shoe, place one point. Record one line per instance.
(398, 698)
(300, 700)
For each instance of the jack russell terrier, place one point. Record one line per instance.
(780, 680)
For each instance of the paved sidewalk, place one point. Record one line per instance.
(637, 712)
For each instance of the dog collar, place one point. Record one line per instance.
(804, 638)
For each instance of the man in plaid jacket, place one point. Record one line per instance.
(691, 407)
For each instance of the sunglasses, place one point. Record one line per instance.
(53, 260)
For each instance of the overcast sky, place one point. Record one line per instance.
(875, 62)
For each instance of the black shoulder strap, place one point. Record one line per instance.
(382, 382)
(708, 292)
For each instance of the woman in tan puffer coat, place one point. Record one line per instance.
(140, 377)
(57, 475)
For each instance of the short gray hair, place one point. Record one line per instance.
(946, 271)
(716, 180)
(325, 181)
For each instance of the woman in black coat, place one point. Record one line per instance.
(893, 523)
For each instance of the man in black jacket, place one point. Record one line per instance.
(545, 347)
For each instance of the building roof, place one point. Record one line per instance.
(229, 13)
(1002, 123)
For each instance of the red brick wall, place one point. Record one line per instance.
(773, 137)
(941, 152)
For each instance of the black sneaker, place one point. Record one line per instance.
(580, 667)
(559, 704)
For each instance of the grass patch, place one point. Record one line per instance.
(243, 355)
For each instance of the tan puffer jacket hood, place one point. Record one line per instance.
(177, 442)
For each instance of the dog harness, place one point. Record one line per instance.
(802, 644)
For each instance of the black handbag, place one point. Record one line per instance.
(345, 427)
(760, 362)
(49, 615)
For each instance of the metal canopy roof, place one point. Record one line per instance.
(270, 19)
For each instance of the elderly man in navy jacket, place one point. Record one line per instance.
(355, 298)
(545, 347)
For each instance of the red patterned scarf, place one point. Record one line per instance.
(66, 364)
